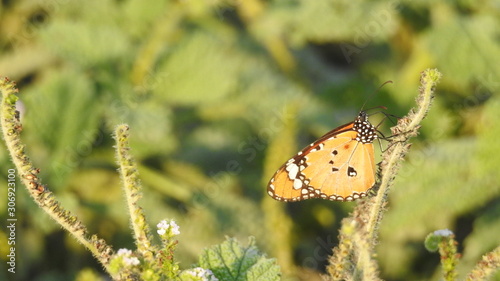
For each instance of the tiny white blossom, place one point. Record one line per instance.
(175, 228)
(162, 224)
(131, 261)
(170, 227)
(124, 252)
(203, 274)
(127, 257)
(443, 232)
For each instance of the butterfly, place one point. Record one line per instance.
(338, 166)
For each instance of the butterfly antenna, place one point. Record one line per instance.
(373, 94)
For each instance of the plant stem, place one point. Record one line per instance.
(131, 187)
(11, 128)
(353, 258)
(405, 129)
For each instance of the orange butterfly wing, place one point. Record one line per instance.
(338, 166)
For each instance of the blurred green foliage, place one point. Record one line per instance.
(207, 86)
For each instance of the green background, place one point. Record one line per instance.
(219, 93)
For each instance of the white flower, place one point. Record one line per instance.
(175, 228)
(170, 227)
(131, 260)
(202, 274)
(127, 257)
(124, 252)
(443, 232)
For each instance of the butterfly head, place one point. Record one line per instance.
(367, 133)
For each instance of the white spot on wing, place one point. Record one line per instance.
(297, 184)
(292, 170)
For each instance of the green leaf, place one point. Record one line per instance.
(231, 261)
(465, 48)
(84, 43)
(432, 242)
(360, 22)
(62, 118)
(150, 122)
(199, 71)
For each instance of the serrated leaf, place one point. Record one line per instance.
(231, 261)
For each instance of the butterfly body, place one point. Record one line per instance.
(338, 166)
